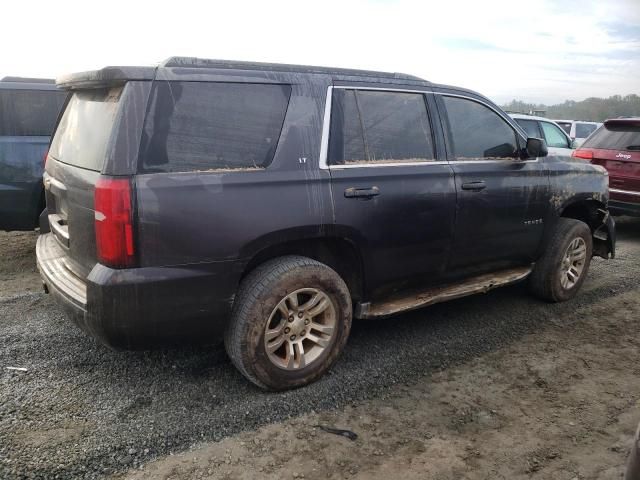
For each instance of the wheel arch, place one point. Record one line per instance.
(339, 253)
(585, 210)
(595, 214)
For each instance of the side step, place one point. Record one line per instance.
(405, 301)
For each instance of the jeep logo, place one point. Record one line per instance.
(622, 155)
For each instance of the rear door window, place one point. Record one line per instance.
(197, 126)
(84, 131)
(583, 130)
(379, 126)
(530, 127)
(554, 136)
(29, 112)
(477, 132)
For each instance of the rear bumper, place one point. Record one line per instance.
(142, 307)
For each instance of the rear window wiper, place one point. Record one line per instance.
(633, 147)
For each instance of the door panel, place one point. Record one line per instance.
(503, 223)
(392, 194)
(404, 231)
(501, 199)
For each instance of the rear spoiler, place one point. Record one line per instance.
(623, 124)
(105, 77)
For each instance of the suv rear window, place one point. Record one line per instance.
(618, 139)
(206, 126)
(29, 112)
(583, 130)
(83, 133)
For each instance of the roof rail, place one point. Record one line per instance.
(194, 62)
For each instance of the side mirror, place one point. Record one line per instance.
(573, 144)
(536, 147)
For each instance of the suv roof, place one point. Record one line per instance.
(114, 74)
(194, 62)
(25, 83)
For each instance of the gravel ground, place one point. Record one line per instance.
(81, 410)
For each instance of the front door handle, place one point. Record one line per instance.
(368, 192)
(474, 186)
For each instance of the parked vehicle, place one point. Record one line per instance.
(271, 203)
(28, 111)
(558, 142)
(578, 130)
(616, 146)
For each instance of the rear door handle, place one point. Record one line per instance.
(369, 192)
(474, 186)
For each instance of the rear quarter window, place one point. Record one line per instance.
(199, 126)
(29, 112)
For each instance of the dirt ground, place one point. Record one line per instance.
(561, 401)
(18, 271)
(562, 404)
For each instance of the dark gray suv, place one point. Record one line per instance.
(268, 204)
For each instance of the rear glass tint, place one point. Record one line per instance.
(529, 126)
(566, 126)
(195, 126)
(83, 134)
(618, 139)
(29, 112)
(583, 130)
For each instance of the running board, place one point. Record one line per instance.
(403, 302)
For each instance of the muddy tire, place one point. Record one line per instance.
(562, 269)
(290, 320)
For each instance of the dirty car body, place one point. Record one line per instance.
(390, 215)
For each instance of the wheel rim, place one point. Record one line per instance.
(573, 263)
(300, 329)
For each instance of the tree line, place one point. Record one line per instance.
(592, 109)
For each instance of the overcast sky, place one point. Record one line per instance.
(541, 50)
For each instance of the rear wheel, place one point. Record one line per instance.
(290, 321)
(562, 269)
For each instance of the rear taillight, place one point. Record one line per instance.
(585, 154)
(44, 159)
(114, 222)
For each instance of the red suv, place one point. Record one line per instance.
(616, 146)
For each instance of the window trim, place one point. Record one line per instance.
(326, 125)
(324, 141)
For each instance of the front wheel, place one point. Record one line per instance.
(290, 321)
(561, 271)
